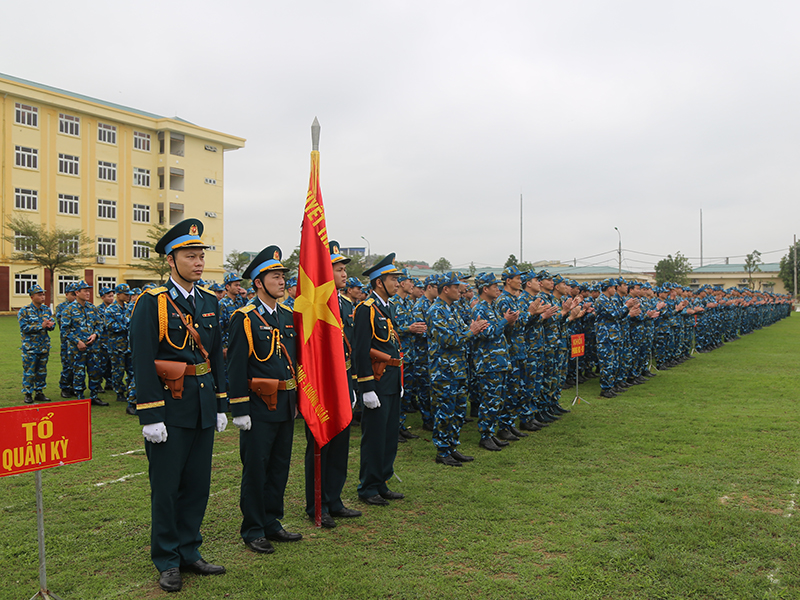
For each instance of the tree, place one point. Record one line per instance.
(155, 263)
(292, 262)
(236, 262)
(525, 266)
(355, 267)
(512, 260)
(751, 266)
(62, 250)
(675, 270)
(788, 272)
(442, 265)
(472, 269)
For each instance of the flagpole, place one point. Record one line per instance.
(317, 450)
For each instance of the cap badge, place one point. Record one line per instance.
(276, 255)
(193, 230)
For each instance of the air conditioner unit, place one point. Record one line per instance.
(101, 260)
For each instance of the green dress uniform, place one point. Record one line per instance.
(373, 328)
(180, 467)
(261, 344)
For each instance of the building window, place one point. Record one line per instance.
(106, 133)
(210, 181)
(26, 115)
(27, 158)
(109, 282)
(69, 125)
(106, 246)
(106, 209)
(24, 282)
(106, 170)
(141, 213)
(141, 177)
(141, 141)
(70, 245)
(141, 249)
(64, 280)
(68, 204)
(26, 199)
(68, 164)
(176, 179)
(23, 243)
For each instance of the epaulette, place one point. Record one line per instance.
(284, 307)
(246, 308)
(368, 302)
(205, 289)
(157, 291)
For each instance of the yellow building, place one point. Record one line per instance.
(75, 162)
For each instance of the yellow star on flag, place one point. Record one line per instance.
(312, 303)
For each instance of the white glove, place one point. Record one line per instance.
(244, 423)
(353, 405)
(155, 433)
(371, 400)
(222, 422)
(402, 391)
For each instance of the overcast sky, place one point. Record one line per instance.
(436, 116)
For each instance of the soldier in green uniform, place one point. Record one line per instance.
(180, 392)
(261, 372)
(374, 337)
(333, 455)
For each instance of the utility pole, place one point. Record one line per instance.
(520, 227)
(795, 265)
(701, 237)
(619, 272)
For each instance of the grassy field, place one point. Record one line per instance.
(681, 488)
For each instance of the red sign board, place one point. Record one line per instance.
(44, 435)
(578, 344)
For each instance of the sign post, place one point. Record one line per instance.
(577, 349)
(39, 437)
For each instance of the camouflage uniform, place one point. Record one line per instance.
(67, 375)
(490, 364)
(516, 377)
(608, 314)
(35, 346)
(80, 322)
(447, 335)
(420, 371)
(117, 325)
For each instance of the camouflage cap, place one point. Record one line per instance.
(35, 289)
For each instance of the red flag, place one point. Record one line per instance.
(323, 394)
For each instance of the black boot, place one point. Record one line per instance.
(40, 397)
(28, 399)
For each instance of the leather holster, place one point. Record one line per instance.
(171, 374)
(266, 389)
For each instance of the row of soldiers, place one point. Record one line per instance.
(508, 348)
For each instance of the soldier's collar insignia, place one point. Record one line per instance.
(174, 293)
(261, 310)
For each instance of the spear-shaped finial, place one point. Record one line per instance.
(315, 135)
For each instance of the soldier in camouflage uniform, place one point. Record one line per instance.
(291, 292)
(106, 300)
(35, 324)
(65, 381)
(82, 327)
(135, 293)
(490, 360)
(406, 328)
(421, 369)
(229, 303)
(447, 338)
(117, 325)
(517, 377)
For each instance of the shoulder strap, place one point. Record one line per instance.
(192, 331)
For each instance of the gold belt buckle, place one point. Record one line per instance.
(291, 384)
(201, 369)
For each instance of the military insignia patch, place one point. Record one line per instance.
(276, 255)
(174, 293)
(193, 230)
(336, 249)
(261, 310)
(208, 314)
